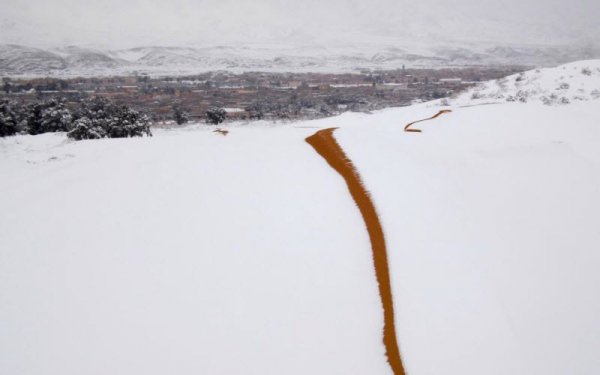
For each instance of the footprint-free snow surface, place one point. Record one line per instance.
(196, 253)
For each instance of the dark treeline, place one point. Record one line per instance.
(91, 119)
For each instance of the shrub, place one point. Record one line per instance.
(216, 115)
(9, 118)
(100, 118)
(56, 118)
(476, 95)
(180, 115)
(84, 128)
(256, 111)
(96, 118)
(48, 116)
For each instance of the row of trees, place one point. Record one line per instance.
(90, 119)
(93, 119)
(215, 115)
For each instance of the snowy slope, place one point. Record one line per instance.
(491, 216)
(578, 81)
(182, 253)
(193, 252)
(19, 60)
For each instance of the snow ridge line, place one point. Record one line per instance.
(326, 145)
(406, 128)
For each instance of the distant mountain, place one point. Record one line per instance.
(18, 60)
(23, 60)
(87, 59)
(159, 56)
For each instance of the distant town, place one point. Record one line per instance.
(256, 95)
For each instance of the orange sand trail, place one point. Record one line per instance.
(221, 131)
(407, 127)
(325, 144)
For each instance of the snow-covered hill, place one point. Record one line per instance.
(33, 61)
(578, 81)
(82, 59)
(75, 61)
(194, 252)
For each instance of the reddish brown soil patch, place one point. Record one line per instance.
(221, 131)
(325, 144)
(407, 127)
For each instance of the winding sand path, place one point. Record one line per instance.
(407, 127)
(325, 144)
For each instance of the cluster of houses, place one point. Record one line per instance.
(286, 95)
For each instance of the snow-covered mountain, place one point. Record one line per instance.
(73, 61)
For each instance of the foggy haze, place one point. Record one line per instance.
(123, 24)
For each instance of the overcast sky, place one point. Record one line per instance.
(129, 23)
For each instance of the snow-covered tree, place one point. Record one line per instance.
(255, 111)
(6, 86)
(216, 115)
(84, 128)
(128, 123)
(180, 115)
(96, 118)
(56, 118)
(9, 118)
(48, 116)
(100, 118)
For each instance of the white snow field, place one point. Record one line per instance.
(196, 253)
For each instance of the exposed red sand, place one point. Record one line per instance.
(325, 144)
(407, 127)
(221, 131)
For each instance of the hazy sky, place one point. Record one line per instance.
(128, 23)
